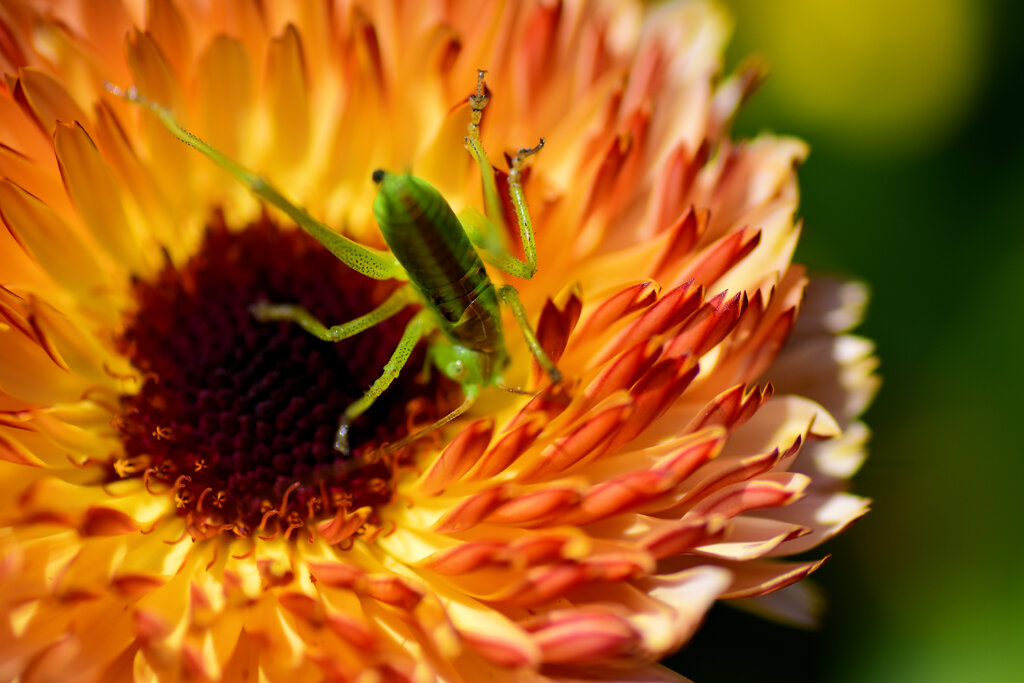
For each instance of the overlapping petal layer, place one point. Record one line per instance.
(706, 426)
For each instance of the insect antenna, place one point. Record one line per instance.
(547, 394)
(459, 410)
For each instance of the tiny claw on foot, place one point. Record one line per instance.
(517, 162)
(529, 151)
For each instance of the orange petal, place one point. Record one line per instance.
(708, 326)
(584, 637)
(464, 558)
(770, 490)
(225, 75)
(617, 307)
(392, 590)
(288, 100)
(587, 441)
(507, 450)
(652, 396)
(53, 243)
(461, 454)
(99, 521)
(343, 524)
(534, 507)
(47, 100)
(170, 33)
(670, 310)
(470, 512)
(674, 213)
(97, 195)
(680, 536)
(723, 255)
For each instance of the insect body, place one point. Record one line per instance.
(439, 253)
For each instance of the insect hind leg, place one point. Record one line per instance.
(374, 263)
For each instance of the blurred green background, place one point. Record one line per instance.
(915, 184)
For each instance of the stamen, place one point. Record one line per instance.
(150, 472)
(179, 539)
(246, 555)
(284, 499)
(263, 522)
(202, 496)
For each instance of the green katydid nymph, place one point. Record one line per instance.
(440, 256)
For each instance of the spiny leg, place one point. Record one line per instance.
(399, 299)
(418, 327)
(510, 296)
(484, 231)
(374, 263)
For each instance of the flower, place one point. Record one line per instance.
(172, 507)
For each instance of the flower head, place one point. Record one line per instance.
(172, 505)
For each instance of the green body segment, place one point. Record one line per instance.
(442, 264)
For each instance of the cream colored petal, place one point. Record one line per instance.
(748, 537)
(825, 515)
(779, 423)
(837, 371)
(690, 593)
(833, 462)
(831, 305)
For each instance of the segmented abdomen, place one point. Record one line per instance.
(422, 231)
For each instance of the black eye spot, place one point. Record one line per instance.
(378, 175)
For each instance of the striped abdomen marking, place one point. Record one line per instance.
(423, 233)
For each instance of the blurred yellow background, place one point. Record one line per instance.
(915, 184)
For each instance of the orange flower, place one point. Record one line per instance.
(172, 507)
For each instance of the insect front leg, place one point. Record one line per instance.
(420, 326)
(374, 263)
(485, 231)
(510, 296)
(399, 299)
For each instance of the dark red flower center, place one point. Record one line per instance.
(236, 418)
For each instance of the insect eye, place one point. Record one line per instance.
(456, 369)
(378, 176)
